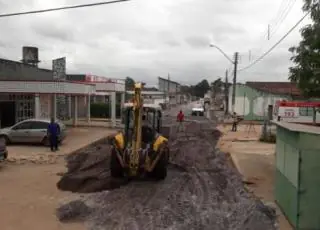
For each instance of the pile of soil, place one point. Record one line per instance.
(88, 171)
(201, 192)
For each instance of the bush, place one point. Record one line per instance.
(102, 110)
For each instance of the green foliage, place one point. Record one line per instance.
(306, 56)
(198, 90)
(102, 110)
(217, 86)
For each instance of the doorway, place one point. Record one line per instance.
(7, 113)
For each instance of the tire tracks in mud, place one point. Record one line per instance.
(197, 194)
(157, 205)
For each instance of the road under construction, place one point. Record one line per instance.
(202, 190)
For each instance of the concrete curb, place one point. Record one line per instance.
(95, 126)
(236, 165)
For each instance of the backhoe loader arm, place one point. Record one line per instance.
(137, 128)
(137, 120)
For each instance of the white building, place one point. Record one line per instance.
(27, 91)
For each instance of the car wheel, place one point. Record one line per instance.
(45, 141)
(6, 139)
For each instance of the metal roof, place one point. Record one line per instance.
(282, 88)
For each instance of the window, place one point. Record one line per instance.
(24, 125)
(306, 112)
(39, 125)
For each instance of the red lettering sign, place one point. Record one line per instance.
(289, 113)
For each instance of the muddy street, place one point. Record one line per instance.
(202, 190)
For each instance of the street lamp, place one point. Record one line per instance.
(221, 51)
(235, 63)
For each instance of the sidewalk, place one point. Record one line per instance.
(254, 160)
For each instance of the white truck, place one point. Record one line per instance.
(197, 111)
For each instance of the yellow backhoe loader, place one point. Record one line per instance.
(140, 149)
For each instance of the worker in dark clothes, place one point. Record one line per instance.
(234, 122)
(53, 133)
(180, 119)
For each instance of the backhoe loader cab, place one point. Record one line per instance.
(151, 121)
(140, 149)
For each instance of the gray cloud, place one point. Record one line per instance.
(198, 42)
(54, 32)
(172, 43)
(150, 38)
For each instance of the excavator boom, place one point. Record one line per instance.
(140, 149)
(137, 128)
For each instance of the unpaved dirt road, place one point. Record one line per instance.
(28, 197)
(202, 190)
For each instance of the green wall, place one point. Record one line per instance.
(297, 180)
(249, 102)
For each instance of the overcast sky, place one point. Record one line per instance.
(145, 39)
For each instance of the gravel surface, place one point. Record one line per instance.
(202, 190)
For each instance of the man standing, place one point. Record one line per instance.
(53, 133)
(235, 122)
(180, 119)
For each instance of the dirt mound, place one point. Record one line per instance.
(74, 210)
(88, 171)
(205, 193)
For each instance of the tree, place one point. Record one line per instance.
(306, 56)
(129, 83)
(217, 86)
(200, 89)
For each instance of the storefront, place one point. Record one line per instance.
(20, 100)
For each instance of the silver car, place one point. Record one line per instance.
(31, 131)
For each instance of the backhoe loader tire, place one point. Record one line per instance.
(160, 170)
(116, 169)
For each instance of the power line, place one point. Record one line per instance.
(284, 16)
(274, 22)
(282, 8)
(276, 44)
(61, 8)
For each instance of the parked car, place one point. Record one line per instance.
(3, 150)
(31, 131)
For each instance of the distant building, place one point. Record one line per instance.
(172, 89)
(254, 98)
(107, 89)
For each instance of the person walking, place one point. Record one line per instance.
(180, 119)
(53, 133)
(235, 122)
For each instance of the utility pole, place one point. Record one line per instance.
(235, 63)
(226, 94)
(268, 32)
(168, 90)
(236, 55)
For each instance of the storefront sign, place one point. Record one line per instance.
(94, 78)
(288, 112)
(59, 68)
